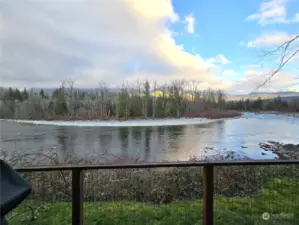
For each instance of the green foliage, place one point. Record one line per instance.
(59, 96)
(42, 93)
(24, 94)
(160, 111)
(123, 107)
(15, 94)
(276, 104)
(61, 108)
(257, 104)
(136, 106)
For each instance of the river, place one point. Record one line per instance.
(149, 140)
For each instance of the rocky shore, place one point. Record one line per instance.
(284, 151)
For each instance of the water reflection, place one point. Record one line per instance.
(105, 140)
(220, 129)
(150, 143)
(123, 135)
(174, 134)
(147, 146)
(136, 134)
(61, 136)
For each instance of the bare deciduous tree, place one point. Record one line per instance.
(154, 98)
(194, 93)
(102, 99)
(146, 97)
(177, 92)
(163, 95)
(287, 51)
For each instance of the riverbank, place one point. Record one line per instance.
(279, 198)
(290, 114)
(116, 123)
(284, 151)
(209, 114)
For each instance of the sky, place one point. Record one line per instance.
(220, 44)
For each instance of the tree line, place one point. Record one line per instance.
(276, 104)
(141, 99)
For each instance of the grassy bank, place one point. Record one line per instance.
(279, 197)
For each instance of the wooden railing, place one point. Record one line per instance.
(208, 179)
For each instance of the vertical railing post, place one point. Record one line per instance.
(208, 195)
(77, 197)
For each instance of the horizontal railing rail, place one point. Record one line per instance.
(156, 165)
(208, 178)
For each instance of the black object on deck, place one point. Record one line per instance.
(13, 189)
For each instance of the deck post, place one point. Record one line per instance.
(208, 195)
(77, 197)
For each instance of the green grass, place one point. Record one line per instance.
(278, 196)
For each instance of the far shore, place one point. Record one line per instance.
(205, 114)
(211, 114)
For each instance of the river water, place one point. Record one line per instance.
(149, 140)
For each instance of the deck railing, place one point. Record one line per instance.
(207, 186)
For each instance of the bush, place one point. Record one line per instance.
(157, 186)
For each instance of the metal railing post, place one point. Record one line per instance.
(77, 197)
(208, 195)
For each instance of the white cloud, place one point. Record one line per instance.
(251, 66)
(218, 59)
(251, 73)
(296, 18)
(90, 41)
(44, 43)
(253, 78)
(190, 21)
(272, 11)
(293, 89)
(229, 73)
(270, 39)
